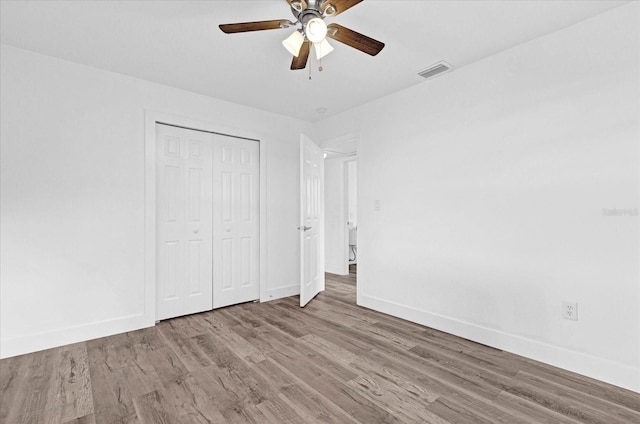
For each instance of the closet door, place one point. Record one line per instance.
(184, 221)
(236, 220)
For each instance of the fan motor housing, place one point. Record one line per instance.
(308, 14)
(312, 11)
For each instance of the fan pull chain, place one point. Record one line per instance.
(310, 69)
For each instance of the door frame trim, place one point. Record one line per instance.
(152, 118)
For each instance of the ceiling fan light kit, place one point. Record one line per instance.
(294, 42)
(313, 29)
(322, 49)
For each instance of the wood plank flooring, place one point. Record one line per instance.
(331, 362)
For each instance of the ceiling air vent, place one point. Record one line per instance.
(436, 69)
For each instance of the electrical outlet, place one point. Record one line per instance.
(376, 205)
(570, 310)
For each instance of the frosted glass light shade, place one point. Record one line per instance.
(316, 30)
(293, 43)
(322, 48)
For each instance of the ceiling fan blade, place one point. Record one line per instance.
(255, 26)
(354, 39)
(303, 4)
(339, 5)
(300, 61)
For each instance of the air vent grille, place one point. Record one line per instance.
(437, 69)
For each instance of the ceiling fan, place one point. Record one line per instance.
(313, 30)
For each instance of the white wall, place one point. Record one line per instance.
(72, 197)
(335, 217)
(492, 180)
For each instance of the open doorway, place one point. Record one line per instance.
(341, 209)
(351, 182)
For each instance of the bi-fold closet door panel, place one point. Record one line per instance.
(184, 221)
(236, 220)
(207, 204)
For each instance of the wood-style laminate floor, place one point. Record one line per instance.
(331, 362)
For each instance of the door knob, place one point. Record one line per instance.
(304, 228)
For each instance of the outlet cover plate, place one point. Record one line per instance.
(570, 310)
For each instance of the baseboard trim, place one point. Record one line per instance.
(73, 334)
(604, 370)
(281, 292)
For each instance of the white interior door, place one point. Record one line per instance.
(184, 221)
(311, 220)
(236, 220)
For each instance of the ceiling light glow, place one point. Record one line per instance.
(316, 30)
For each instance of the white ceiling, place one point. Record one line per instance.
(178, 43)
